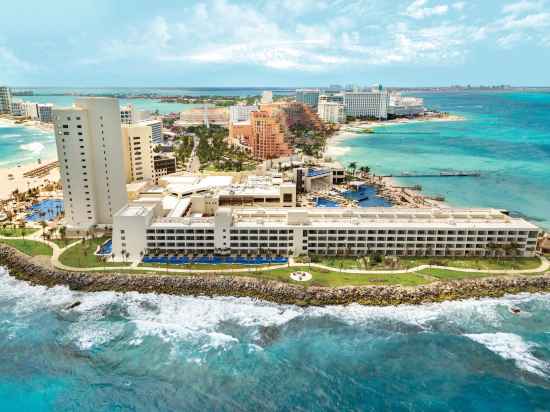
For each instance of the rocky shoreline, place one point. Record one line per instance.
(21, 267)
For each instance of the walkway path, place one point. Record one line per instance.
(57, 251)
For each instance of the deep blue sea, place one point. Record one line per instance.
(132, 352)
(505, 136)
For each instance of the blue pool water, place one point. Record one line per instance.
(214, 260)
(149, 352)
(369, 196)
(106, 248)
(322, 202)
(46, 210)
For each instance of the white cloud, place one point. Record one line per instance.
(459, 5)
(509, 40)
(284, 37)
(9, 62)
(417, 9)
(522, 6)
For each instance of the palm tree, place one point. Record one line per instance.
(22, 227)
(62, 234)
(43, 224)
(353, 167)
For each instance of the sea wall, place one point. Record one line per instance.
(21, 267)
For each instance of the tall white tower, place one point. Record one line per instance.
(89, 149)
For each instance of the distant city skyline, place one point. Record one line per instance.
(290, 43)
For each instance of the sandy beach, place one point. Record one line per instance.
(32, 124)
(12, 177)
(24, 183)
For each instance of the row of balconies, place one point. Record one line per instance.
(163, 238)
(418, 232)
(419, 239)
(180, 231)
(372, 246)
(241, 238)
(179, 245)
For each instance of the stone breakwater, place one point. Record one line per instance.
(21, 267)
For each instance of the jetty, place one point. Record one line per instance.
(440, 174)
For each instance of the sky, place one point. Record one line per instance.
(286, 43)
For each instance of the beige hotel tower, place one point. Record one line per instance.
(91, 161)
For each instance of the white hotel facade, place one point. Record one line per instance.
(90, 153)
(367, 104)
(141, 228)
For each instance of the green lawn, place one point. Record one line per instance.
(341, 262)
(335, 278)
(516, 263)
(11, 232)
(82, 255)
(29, 247)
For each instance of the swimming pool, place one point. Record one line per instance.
(367, 197)
(47, 209)
(322, 202)
(105, 249)
(214, 260)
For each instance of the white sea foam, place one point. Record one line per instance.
(513, 347)
(34, 147)
(201, 320)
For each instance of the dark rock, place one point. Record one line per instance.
(22, 267)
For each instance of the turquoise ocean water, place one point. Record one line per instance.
(131, 352)
(22, 145)
(505, 136)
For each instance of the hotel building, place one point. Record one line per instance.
(31, 110)
(267, 140)
(308, 96)
(5, 99)
(405, 106)
(373, 104)
(17, 108)
(138, 152)
(45, 112)
(204, 115)
(331, 112)
(240, 113)
(90, 153)
(144, 227)
(267, 97)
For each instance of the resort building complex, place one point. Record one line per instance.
(90, 154)
(272, 211)
(144, 227)
(5, 99)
